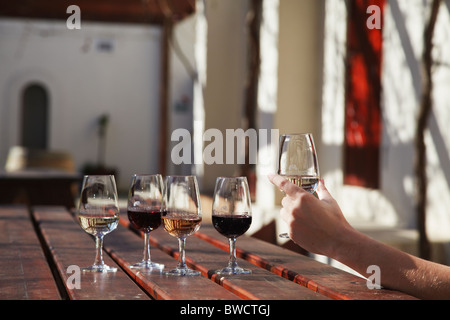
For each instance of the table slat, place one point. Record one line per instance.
(126, 248)
(322, 278)
(24, 271)
(70, 245)
(202, 256)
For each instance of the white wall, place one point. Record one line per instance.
(393, 204)
(83, 83)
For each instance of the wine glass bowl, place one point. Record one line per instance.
(144, 208)
(98, 214)
(182, 216)
(297, 162)
(232, 215)
(298, 156)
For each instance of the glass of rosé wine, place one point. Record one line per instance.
(182, 216)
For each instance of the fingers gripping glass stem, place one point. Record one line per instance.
(297, 162)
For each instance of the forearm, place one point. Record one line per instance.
(399, 270)
(319, 226)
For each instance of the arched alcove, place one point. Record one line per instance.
(34, 117)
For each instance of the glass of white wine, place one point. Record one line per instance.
(297, 162)
(98, 214)
(182, 216)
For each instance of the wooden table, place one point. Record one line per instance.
(39, 187)
(38, 248)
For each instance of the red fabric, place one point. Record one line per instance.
(363, 121)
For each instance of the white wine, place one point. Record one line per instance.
(181, 225)
(98, 224)
(308, 183)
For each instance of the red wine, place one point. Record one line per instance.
(232, 226)
(144, 220)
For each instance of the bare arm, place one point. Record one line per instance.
(319, 226)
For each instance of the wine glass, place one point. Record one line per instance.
(182, 216)
(297, 162)
(98, 214)
(232, 216)
(145, 204)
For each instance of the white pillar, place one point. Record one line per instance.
(267, 107)
(200, 52)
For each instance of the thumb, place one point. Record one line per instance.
(322, 192)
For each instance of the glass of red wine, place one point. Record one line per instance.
(144, 208)
(297, 162)
(232, 216)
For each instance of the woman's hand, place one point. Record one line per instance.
(314, 223)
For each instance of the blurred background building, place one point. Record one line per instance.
(141, 69)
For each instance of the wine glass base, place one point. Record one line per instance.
(148, 266)
(99, 268)
(182, 272)
(235, 270)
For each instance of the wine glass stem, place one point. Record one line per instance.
(146, 247)
(181, 253)
(232, 262)
(99, 252)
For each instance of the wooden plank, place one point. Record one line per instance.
(126, 248)
(69, 245)
(24, 271)
(260, 285)
(319, 277)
